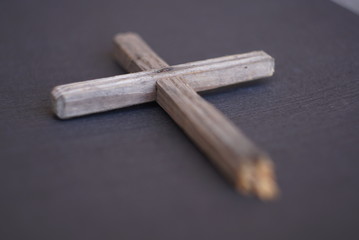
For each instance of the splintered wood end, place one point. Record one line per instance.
(257, 178)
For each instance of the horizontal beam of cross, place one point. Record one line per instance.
(77, 99)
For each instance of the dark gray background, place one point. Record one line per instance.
(132, 173)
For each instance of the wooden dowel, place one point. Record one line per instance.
(247, 167)
(77, 99)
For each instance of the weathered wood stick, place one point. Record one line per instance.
(247, 167)
(76, 99)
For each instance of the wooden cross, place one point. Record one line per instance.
(175, 90)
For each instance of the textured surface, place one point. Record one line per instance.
(132, 173)
(103, 94)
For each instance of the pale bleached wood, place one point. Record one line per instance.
(77, 99)
(246, 166)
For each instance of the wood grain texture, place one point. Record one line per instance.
(135, 55)
(77, 99)
(246, 166)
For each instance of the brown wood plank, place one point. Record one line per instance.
(247, 167)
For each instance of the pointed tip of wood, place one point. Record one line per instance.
(258, 179)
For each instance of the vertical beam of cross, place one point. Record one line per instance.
(244, 164)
